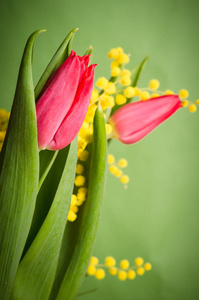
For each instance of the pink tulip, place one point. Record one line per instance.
(134, 121)
(63, 103)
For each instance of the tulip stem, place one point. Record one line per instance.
(47, 170)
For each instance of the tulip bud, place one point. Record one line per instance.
(63, 102)
(134, 121)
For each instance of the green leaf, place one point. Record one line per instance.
(36, 271)
(44, 171)
(89, 51)
(137, 70)
(90, 215)
(59, 57)
(45, 158)
(19, 173)
(47, 191)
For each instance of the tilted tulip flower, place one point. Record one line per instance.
(134, 121)
(64, 101)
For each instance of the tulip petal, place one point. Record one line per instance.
(135, 120)
(75, 117)
(84, 61)
(57, 99)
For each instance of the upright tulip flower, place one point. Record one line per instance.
(134, 121)
(63, 103)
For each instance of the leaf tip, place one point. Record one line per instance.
(75, 30)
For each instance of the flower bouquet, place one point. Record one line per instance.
(53, 166)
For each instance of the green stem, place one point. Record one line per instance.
(47, 170)
(87, 292)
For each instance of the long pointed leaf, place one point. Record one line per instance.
(19, 173)
(47, 192)
(89, 223)
(36, 271)
(137, 70)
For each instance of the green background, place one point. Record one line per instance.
(157, 216)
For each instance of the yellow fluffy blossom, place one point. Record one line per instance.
(109, 129)
(71, 215)
(154, 84)
(147, 266)
(125, 80)
(120, 99)
(102, 82)
(122, 275)
(84, 155)
(123, 58)
(129, 92)
(110, 261)
(183, 94)
(79, 169)
(113, 169)
(83, 190)
(110, 88)
(144, 95)
(2, 135)
(91, 270)
(73, 200)
(140, 271)
(185, 103)
(74, 208)
(155, 95)
(94, 260)
(81, 145)
(131, 274)
(86, 134)
(111, 159)
(124, 264)
(80, 180)
(192, 108)
(113, 271)
(4, 119)
(126, 72)
(107, 101)
(90, 113)
(123, 272)
(197, 102)
(112, 53)
(95, 95)
(114, 64)
(139, 261)
(115, 53)
(137, 91)
(122, 163)
(118, 173)
(168, 92)
(100, 274)
(81, 196)
(4, 115)
(115, 71)
(124, 179)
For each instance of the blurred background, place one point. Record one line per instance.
(156, 217)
